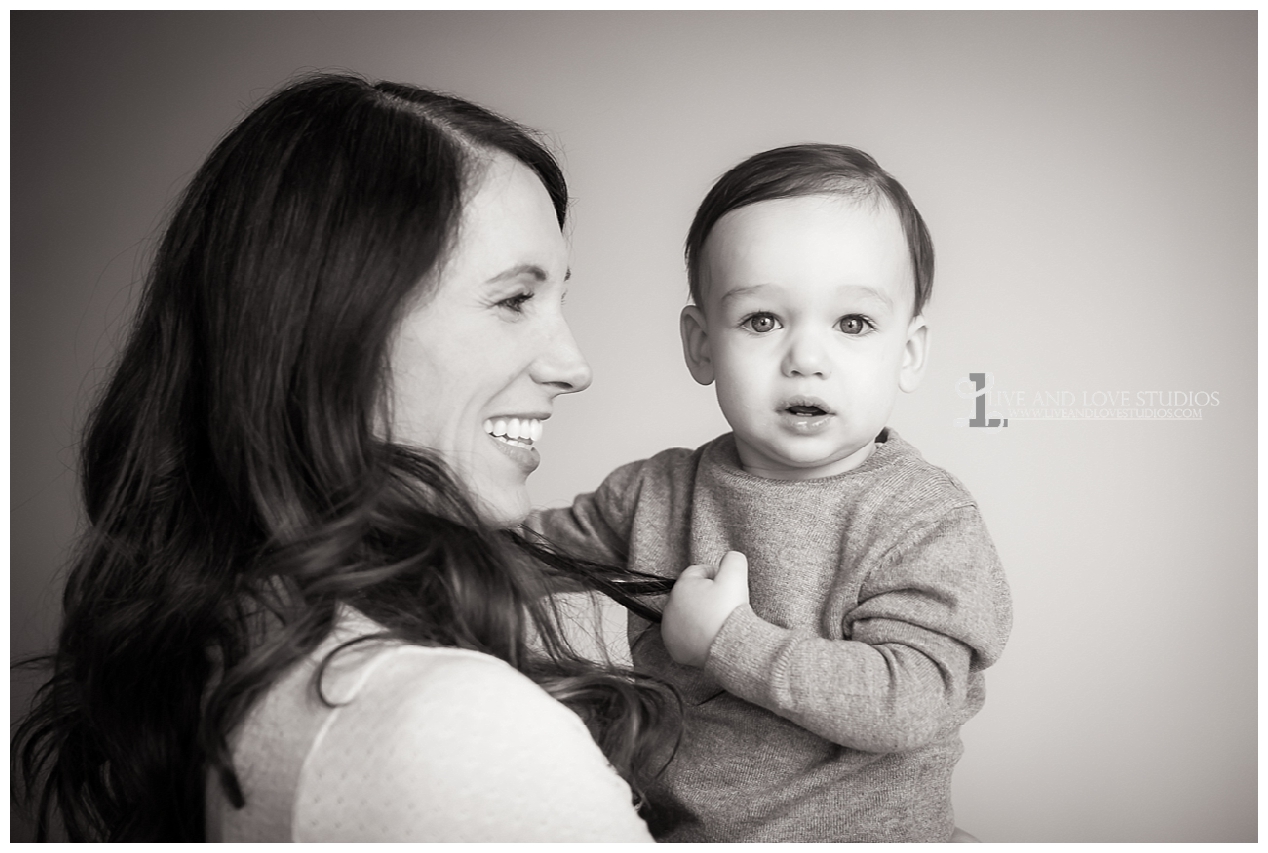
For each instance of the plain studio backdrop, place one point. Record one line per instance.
(1090, 183)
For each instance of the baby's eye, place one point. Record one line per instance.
(516, 303)
(854, 324)
(760, 322)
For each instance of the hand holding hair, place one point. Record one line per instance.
(702, 599)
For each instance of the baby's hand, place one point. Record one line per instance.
(703, 598)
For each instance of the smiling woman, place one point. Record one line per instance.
(478, 363)
(300, 611)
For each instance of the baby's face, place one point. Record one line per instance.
(807, 329)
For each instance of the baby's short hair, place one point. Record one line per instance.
(805, 170)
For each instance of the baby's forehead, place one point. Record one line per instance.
(807, 247)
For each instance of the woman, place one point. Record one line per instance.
(301, 610)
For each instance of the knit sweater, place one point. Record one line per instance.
(829, 707)
(421, 744)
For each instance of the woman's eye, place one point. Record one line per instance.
(854, 324)
(761, 323)
(516, 303)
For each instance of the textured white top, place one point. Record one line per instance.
(425, 744)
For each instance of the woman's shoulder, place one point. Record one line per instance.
(408, 673)
(398, 742)
(383, 682)
(444, 744)
(399, 684)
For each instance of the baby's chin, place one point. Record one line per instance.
(807, 466)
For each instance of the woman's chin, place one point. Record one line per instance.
(504, 508)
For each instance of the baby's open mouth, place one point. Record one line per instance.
(806, 407)
(518, 432)
(806, 411)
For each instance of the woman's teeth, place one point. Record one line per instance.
(522, 432)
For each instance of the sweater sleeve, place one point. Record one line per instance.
(934, 611)
(598, 525)
(455, 746)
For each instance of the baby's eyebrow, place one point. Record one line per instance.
(852, 290)
(747, 290)
(865, 292)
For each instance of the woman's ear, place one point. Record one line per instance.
(695, 344)
(915, 355)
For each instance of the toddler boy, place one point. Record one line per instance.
(837, 597)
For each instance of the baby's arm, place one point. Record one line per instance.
(597, 525)
(936, 609)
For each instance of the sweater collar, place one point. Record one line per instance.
(722, 454)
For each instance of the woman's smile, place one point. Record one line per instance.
(524, 431)
(516, 437)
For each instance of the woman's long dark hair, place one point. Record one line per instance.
(239, 491)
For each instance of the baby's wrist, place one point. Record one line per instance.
(727, 632)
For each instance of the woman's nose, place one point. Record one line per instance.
(806, 356)
(562, 365)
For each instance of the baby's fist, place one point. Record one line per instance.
(703, 598)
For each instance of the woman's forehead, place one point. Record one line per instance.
(508, 227)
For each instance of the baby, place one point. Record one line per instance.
(837, 597)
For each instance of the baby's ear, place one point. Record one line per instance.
(915, 355)
(695, 344)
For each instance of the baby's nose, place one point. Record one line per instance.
(806, 357)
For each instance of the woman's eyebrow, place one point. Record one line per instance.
(531, 270)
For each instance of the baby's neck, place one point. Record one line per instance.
(761, 466)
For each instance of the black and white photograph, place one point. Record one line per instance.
(634, 426)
